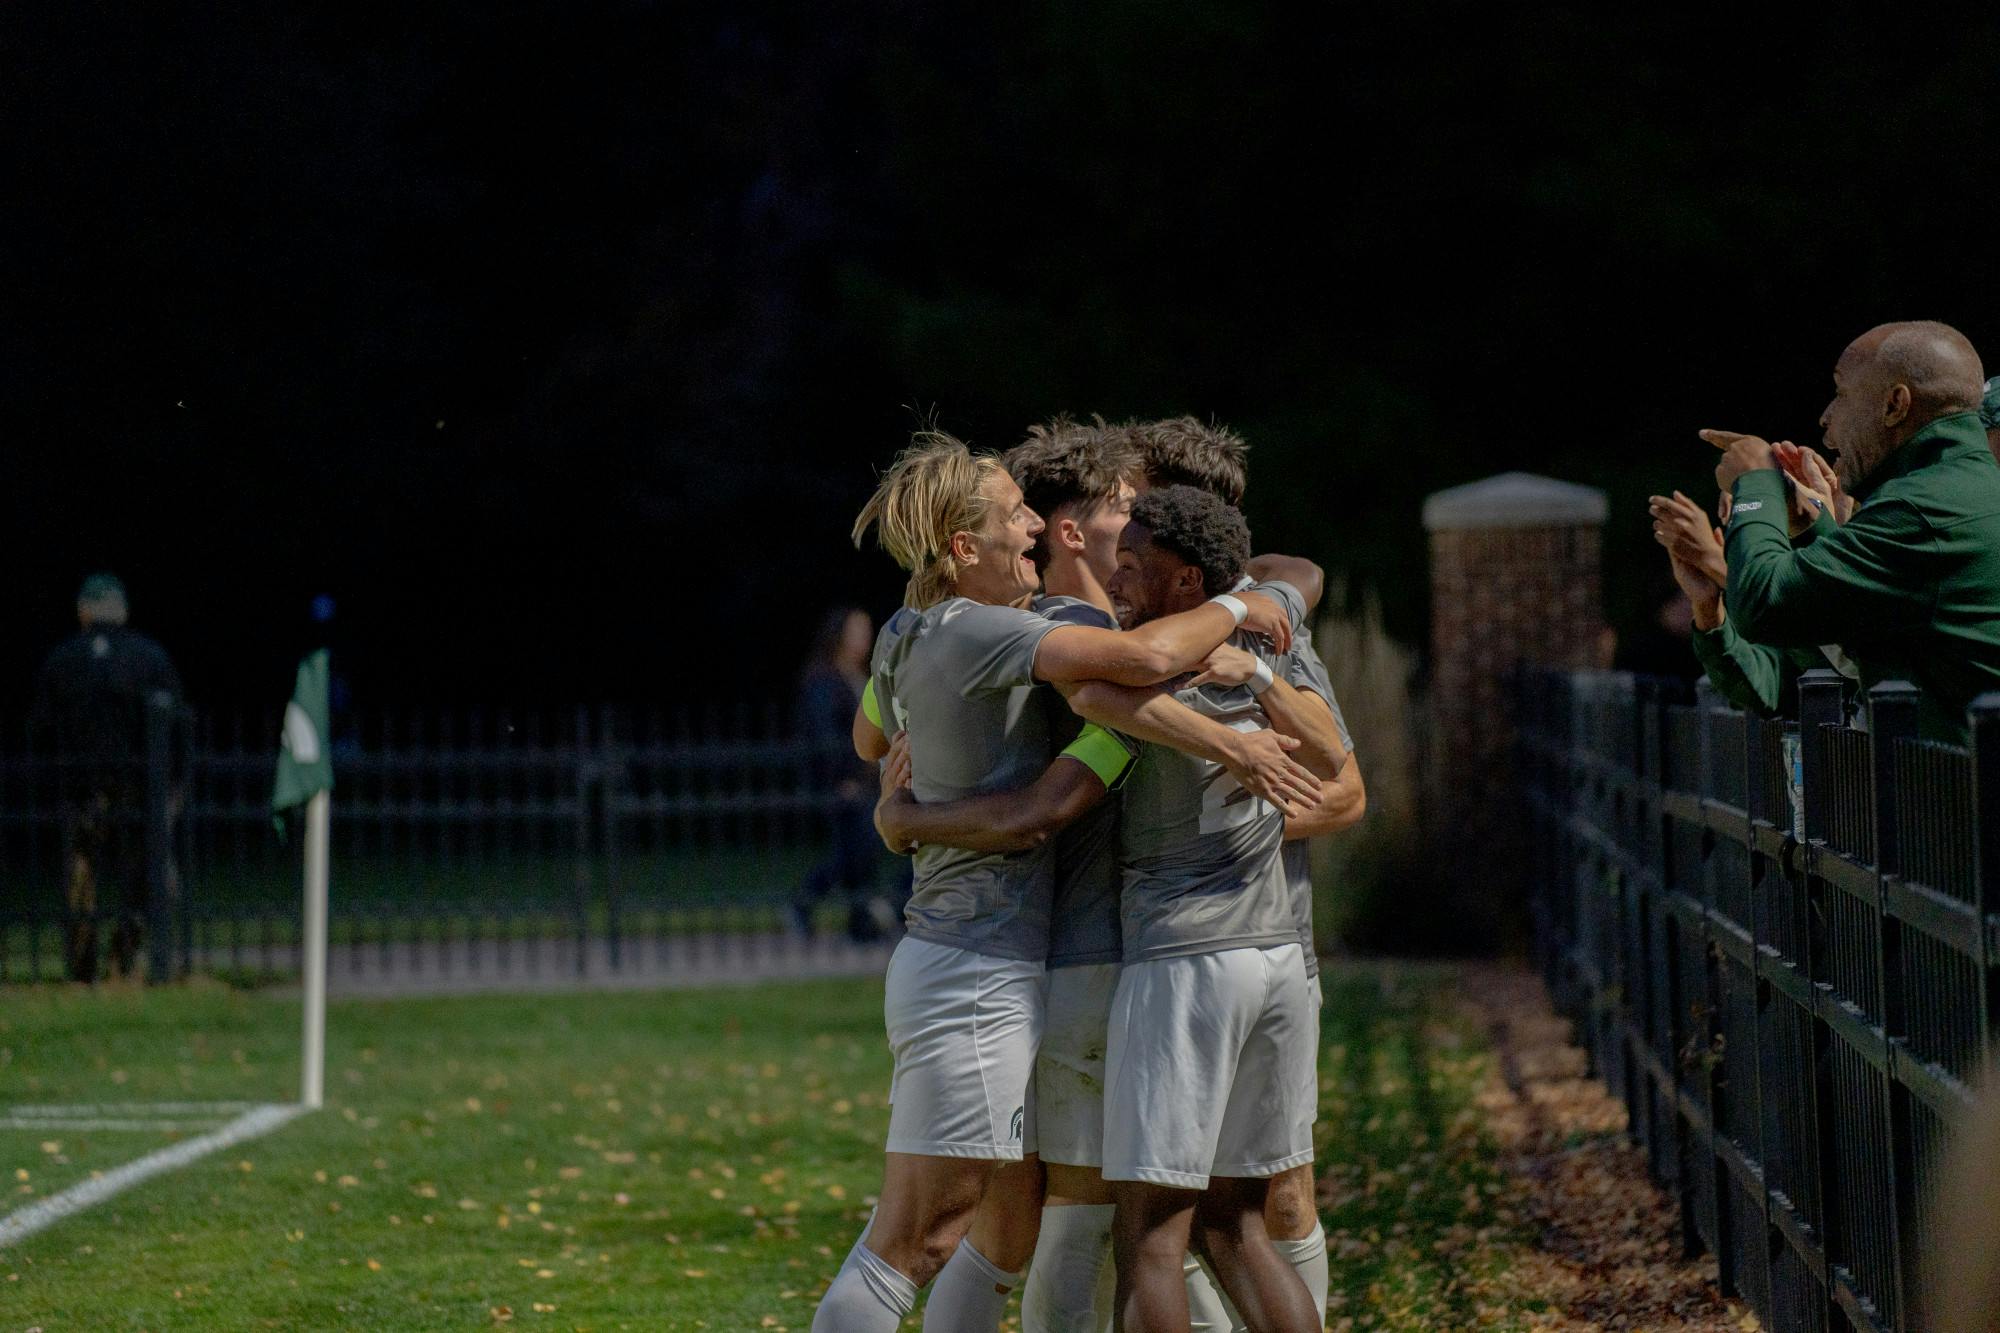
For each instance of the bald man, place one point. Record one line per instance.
(1909, 586)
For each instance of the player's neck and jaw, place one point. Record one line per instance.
(984, 583)
(1082, 545)
(1069, 574)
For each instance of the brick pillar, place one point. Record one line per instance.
(1515, 577)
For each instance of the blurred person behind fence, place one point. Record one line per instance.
(829, 693)
(91, 703)
(1909, 585)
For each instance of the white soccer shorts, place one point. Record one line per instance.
(1066, 1103)
(1202, 1068)
(963, 1028)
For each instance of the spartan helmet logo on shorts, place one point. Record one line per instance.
(1014, 1125)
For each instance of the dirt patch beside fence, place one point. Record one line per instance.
(1608, 1252)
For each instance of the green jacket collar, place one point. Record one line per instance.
(1944, 437)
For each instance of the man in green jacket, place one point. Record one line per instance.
(1910, 584)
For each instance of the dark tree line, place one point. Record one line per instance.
(559, 340)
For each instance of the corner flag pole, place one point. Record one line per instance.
(319, 809)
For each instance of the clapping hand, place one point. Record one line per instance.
(1695, 549)
(1813, 478)
(1740, 454)
(1680, 525)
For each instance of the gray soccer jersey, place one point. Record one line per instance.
(1305, 671)
(893, 629)
(960, 680)
(1201, 857)
(1084, 928)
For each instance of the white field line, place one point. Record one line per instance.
(106, 1125)
(73, 1110)
(22, 1223)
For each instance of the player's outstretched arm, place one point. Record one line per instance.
(1259, 760)
(1160, 649)
(1343, 800)
(1296, 570)
(1299, 715)
(1303, 716)
(1009, 821)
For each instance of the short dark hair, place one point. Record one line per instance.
(1181, 451)
(1069, 463)
(1201, 529)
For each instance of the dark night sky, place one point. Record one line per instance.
(559, 341)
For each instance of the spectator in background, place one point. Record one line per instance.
(1909, 585)
(830, 686)
(91, 704)
(344, 742)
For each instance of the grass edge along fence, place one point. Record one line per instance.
(1791, 984)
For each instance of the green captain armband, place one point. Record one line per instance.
(869, 708)
(1102, 753)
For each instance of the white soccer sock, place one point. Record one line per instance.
(1063, 1280)
(1209, 1310)
(867, 1296)
(970, 1294)
(1308, 1256)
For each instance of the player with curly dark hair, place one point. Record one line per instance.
(1213, 1016)
(1183, 450)
(1208, 542)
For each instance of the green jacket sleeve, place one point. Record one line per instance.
(1873, 575)
(1821, 527)
(1747, 674)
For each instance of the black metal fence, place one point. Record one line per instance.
(474, 843)
(1781, 944)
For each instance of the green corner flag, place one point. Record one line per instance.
(304, 765)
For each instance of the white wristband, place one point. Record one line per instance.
(1236, 606)
(1262, 678)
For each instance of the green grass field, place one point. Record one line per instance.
(682, 1160)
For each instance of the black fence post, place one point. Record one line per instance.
(580, 794)
(1641, 988)
(158, 842)
(610, 769)
(1820, 707)
(1984, 715)
(1705, 1028)
(1892, 719)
